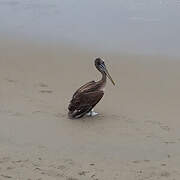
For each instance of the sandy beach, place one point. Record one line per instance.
(135, 136)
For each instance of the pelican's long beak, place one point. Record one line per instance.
(108, 75)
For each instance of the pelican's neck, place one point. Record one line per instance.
(102, 82)
(103, 79)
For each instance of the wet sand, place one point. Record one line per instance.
(135, 136)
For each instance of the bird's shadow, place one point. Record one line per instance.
(97, 117)
(100, 116)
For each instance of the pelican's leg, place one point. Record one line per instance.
(92, 113)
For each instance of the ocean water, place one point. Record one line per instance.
(133, 26)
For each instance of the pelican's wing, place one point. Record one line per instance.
(82, 103)
(84, 87)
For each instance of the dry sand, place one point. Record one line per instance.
(135, 136)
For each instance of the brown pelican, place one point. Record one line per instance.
(88, 95)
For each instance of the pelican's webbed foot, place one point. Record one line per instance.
(92, 113)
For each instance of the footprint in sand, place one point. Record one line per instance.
(83, 173)
(18, 114)
(161, 125)
(10, 80)
(6, 176)
(43, 84)
(71, 178)
(169, 142)
(46, 91)
(165, 174)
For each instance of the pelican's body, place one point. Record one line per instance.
(88, 95)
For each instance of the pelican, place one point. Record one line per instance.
(88, 95)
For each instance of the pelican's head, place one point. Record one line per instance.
(100, 65)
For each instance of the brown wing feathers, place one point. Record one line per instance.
(82, 103)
